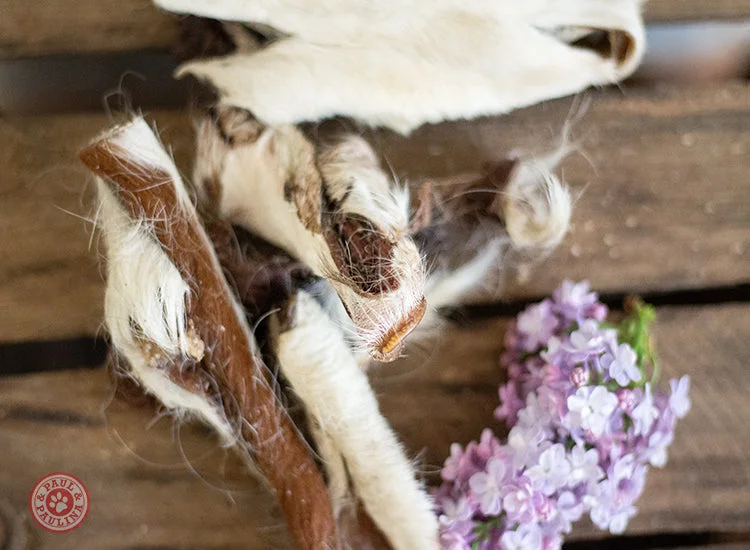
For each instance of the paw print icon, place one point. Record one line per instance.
(59, 502)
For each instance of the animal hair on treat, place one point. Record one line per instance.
(178, 321)
(144, 310)
(425, 61)
(330, 206)
(474, 222)
(356, 439)
(468, 229)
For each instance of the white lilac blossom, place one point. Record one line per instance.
(585, 419)
(487, 486)
(590, 409)
(679, 401)
(621, 364)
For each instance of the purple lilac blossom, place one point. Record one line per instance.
(585, 425)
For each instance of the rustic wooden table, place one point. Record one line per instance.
(664, 211)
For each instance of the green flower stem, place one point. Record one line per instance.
(482, 531)
(635, 330)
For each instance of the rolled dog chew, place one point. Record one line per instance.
(356, 439)
(172, 315)
(331, 207)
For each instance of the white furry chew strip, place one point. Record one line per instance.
(333, 209)
(403, 65)
(145, 290)
(322, 370)
(193, 333)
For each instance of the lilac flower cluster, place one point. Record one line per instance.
(585, 424)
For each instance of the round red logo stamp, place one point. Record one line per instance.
(59, 502)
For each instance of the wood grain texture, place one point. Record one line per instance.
(663, 182)
(50, 283)
(143, 496)
(696, 10)
(44, 27)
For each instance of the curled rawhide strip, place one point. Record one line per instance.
(171, 314)
(331, 207)
(356, 444)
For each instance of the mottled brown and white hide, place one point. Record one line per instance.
(330, 206)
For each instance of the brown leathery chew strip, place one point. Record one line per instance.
(265, 280)
(148, 193)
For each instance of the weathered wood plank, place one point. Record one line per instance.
(664, 197)
(41, 27)
(717, 546)
(143, 494)
(695, 10)
(144, 497)
(44, 27)
(50, 284)
(669, 543)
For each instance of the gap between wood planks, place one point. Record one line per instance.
(78, 82)
(702, 540)
(82, 353)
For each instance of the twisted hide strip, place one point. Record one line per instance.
(331, 207)
(172, 315)
(353, 436)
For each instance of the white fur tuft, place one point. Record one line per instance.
(536, 208)
(145, 311)
(145, 299)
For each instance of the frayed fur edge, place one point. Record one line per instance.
(145, 312)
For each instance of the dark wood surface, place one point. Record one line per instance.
(43, 27)
(696, 10)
